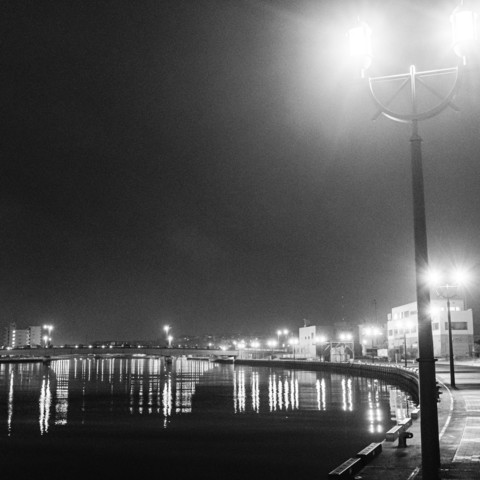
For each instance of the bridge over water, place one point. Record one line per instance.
(55, 352)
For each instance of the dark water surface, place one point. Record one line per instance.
(119, 418)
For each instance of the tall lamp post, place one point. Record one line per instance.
(347, 339)
(293, 342)
(464, 34)
(448, 288)
(405, 325)
(373, 333)
(322, 340)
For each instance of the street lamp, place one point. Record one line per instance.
(372, 332)
(405, 324)
(322, 340)
(293, 342)
(447, 287)
(166, 328)
(48, 338)
(346, 339)
(463, 22)
(272, 344)
(169, 339)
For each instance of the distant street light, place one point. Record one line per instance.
(372, 332)
(272, 344)
(405, 324)
(169, 339)
(346, 339)
(322, 339)
(447, 287)
(293, 342)
(281, 332)
(48, 338)
(463, 22)
(166, 328)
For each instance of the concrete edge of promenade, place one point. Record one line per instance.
(393, 463)
(460, 458)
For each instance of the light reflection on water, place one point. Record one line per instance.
(80, 388)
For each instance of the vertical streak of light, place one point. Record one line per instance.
(44, 403)
(167, 399)
(255, 392)
(62, 372)
(239, 391)
(159, 387)
(151, 380)
(131, 396)
(350, 394)
(294, 393)
(140, 385)
(10, 402)
(286, 391)
(280, 394)
(235, 392)
(271, 398)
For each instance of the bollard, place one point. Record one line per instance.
(402, 439)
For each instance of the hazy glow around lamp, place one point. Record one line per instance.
(360, 40)
(464, 30)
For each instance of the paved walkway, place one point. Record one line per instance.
(459, 426)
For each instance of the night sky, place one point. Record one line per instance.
(213, 165)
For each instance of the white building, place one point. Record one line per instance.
(402, 329)
(307, 342)
(35, 336)
(27, 337)
(336, 344)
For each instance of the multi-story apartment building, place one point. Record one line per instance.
(402, 329)
(27, 337)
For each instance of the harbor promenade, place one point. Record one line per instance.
(459, 428)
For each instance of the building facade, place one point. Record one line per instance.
(402, 329)
(22, 337)
(332, 343)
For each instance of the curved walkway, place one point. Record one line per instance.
(460, 444)
(459, 426)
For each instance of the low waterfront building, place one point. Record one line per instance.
(335, 343)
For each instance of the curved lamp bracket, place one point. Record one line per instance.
(410, 81)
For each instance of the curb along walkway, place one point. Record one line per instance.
(462, 462)
(459, 426)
